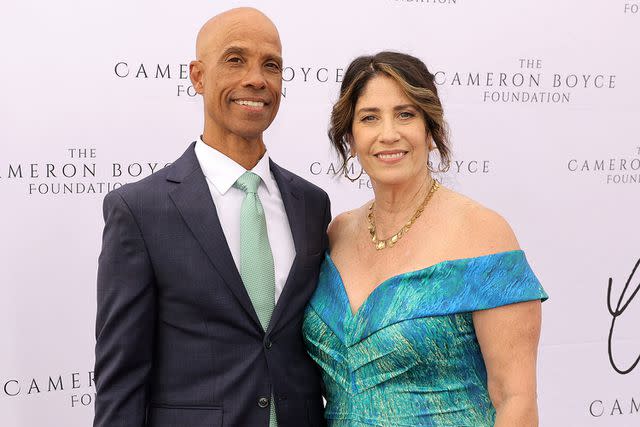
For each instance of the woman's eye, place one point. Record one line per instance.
(406, 115)
(368, 118)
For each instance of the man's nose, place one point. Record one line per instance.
(255, 77)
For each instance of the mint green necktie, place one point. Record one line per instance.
(256, 259)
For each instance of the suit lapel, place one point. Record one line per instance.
(192, 198)
(294, 205)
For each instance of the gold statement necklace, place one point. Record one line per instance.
(387, 243)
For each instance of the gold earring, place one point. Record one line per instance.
(345, 169)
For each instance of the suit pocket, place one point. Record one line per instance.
(181, 416)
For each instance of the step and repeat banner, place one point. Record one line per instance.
(542, 98)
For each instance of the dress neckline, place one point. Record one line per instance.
(385, 282)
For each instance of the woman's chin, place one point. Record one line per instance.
(392, 179)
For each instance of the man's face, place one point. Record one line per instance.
(241, 78)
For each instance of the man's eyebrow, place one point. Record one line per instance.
(276, 58)
(242, 51)
(233, 49)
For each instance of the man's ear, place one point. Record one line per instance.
(196, 73)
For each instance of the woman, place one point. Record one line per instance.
(426, 311)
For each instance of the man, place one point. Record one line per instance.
(207, 265)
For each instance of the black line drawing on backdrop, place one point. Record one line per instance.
(617, 313)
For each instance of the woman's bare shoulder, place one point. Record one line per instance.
(345, 225)
(482, 230)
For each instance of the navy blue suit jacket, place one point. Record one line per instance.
(178, 341)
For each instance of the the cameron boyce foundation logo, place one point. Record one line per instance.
(527, 83)
(360, 180)
(632, 8)
(295, 76)
(623, 360)
(80, 173)
(612, 169)
(174, 78)
(76, 388)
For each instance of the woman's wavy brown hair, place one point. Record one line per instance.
(416, 81)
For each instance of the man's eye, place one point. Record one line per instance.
(273, 65)
(235, 59)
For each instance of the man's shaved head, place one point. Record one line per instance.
(215, 30)
(238, 72)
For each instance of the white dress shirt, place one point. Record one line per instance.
(221, 173)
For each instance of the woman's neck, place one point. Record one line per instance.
(395, 204)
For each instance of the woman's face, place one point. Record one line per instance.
(389, 133)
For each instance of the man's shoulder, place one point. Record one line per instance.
(153, 182)
(160, 181)
(300, 183)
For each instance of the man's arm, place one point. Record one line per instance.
(125, 320)
(326, 222)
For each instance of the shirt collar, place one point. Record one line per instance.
(223, 171)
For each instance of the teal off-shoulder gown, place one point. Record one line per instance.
(409, 356)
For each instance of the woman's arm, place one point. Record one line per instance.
(508, 335)
(508, 338)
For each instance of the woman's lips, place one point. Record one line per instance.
(391, 156)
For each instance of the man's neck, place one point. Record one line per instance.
(246, 152)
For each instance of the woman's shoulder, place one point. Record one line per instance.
(480, 229)
(345, 225)
(491, 269)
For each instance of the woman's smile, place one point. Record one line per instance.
(391, 156)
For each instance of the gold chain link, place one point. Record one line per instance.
(387, 243)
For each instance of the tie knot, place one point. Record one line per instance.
(248, 182)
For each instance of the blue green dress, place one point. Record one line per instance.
(409, 356)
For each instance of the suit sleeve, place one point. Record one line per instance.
(326, 221)
(325, 245)
(125, 320)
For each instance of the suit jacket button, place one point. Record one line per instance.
(268, 344)
(263, 402)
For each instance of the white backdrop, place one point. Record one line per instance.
(541, 97)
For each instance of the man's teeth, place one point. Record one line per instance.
(391, 156)
(250, 103)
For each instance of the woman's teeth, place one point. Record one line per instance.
(391, 156)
